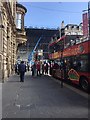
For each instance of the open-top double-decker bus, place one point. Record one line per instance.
(72, 54)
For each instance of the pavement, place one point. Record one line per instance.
(41, 97)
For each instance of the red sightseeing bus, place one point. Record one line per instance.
(71, 53)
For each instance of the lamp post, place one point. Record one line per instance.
(62, 70)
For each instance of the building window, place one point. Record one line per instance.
(75, 27)
(66, 28)
(18, 20)
(69, 27)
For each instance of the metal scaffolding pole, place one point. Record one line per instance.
(31, 54)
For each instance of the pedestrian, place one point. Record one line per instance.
(50, 70)
(15, 68)
(33, 68)
(46, 68)
(28, 67)
(38, 69)
(42, 69)
(22, 70)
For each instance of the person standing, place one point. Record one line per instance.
(22, 70)
(33, 68)
(28, 67)
(50, 69)
(15, 68)
(46, 68)
(38, 69)
(43, 69)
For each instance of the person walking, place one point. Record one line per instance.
(22, 70)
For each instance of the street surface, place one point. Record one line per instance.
(42, 97)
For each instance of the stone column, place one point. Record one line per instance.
(22, 21)
(7, 58)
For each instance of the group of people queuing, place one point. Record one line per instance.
(39, 69)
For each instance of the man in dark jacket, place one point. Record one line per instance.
(22, 70)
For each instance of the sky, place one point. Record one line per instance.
(51, 14)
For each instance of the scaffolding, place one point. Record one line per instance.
(31, 55)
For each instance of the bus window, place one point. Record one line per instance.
(82, 63)
(78, 66)
(56, 66)
(51, 49)
(72, 42)
(60, 45)
(66, 45)
(57, 48)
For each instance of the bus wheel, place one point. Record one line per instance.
(84, 83)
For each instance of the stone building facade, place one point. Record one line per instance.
(21, 33)
(8, 38)
(71, 29)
